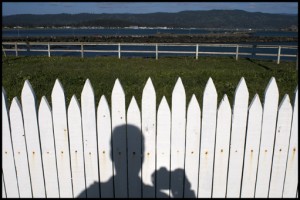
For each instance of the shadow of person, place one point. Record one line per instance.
(175, 192)
(127, 143)
(126, 155)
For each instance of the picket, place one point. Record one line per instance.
(3, 188)
(61, 140)
(118, 119)
(48, 149)
(163, 149)
(222, 148)
(251, 149)
(149, 135)
(173, 154)
(20, 151)
(89, 131)
(76, 148)
(291, 175)
(193, 128)
(208, 133)
(178, 117)
(134, 154)
(7, 154)
(104, 148)
(267, 139)
(237, 140)
(281, 148)
(32, 140)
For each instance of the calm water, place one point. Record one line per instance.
(123, 31)
(95, 32)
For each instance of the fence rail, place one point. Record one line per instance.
(156, 52)
(93, 150)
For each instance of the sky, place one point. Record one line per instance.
(12, 8)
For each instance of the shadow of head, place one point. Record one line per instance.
(127, 143)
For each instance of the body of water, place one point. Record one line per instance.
(143, 32)
(125, 31)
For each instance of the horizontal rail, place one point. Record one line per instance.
(121, 48)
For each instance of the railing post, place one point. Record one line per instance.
(3, 51)
(278, 55)
(81, 50)
(156, 52)
(49, 50)
(197, 50)
(237, 52)
(119, 51)
(16, 48)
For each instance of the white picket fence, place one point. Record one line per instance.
(213, 151)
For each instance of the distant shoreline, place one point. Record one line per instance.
(158, 38)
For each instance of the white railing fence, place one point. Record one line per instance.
(94, 150)
(83, 47)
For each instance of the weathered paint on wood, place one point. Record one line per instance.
(134, 154)
(237, 140)
(178, 117)
(149, 139)
(126, 141)
(208, 133)
(90, 139)
(163, 149)
(192, 148)
(252, 147)
(105, 148)
(76, 148)
(270, 108)
(282, 136)
(33, 140)
(118, 119)
(20, 152)
(48, 149)
(291, 175)
(61, 140)
(222, 148)
(7, 154)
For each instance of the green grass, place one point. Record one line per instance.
(133, 73)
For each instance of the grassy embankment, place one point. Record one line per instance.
(133, 73)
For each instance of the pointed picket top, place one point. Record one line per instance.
(163, 104)
(149, 88)
(15, 104)
(4, 97)
(210, 87)
(117, 89)
(133, 105)
(87, 89)
(241, 88)
(103, 105)
(44, 104)
(193, 103)
(57, 90)
(224, 103)
(272, 89)
(255, 102)
(285, 103)
(27, 91)
(74, 102)
(179, 88)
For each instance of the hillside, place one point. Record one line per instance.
(185, 19)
